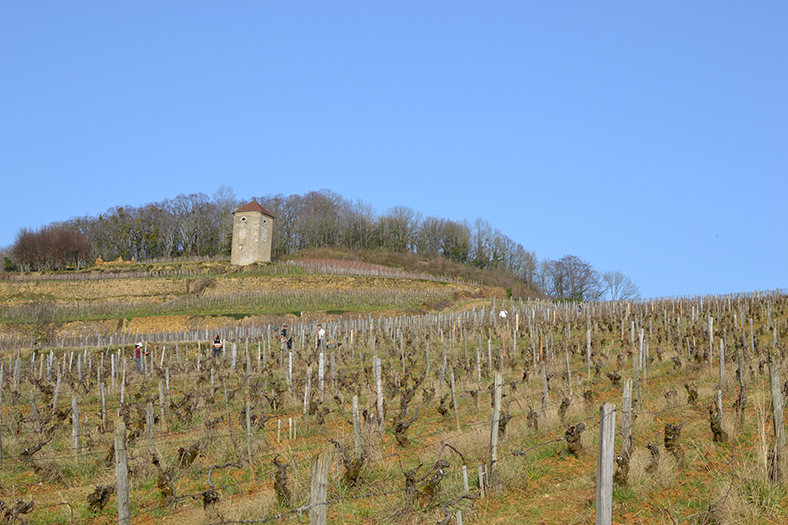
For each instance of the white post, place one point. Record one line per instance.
(319, 489)
(604, 477)
(357, 430)
(377, 366)
(497, 391)
(321, 375)
(122, 474)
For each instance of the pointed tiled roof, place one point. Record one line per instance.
(255, 206)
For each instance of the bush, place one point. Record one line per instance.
(9, 265)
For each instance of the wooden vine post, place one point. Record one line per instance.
(122, 474)
(454, 400)
(75, 425)
(359, 448)
(379, 389)
(604, 477)
(778, 405)
(626, 418)
(497, 391)
(319, 489)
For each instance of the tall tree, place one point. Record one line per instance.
(619, 287)
(429, 237)
(574, 278)
(225, 200)
(53, 247)
(398, 228)
(456, 242)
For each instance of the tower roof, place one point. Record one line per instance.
(255, 206)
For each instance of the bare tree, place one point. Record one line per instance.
(50, 248)
(456, 243)
(225, 200)
(398, 228)
(318, 222)
(620, 287)
(358, 224)
(524, 265)
(573, 278)
(481, 240)
(430, 236)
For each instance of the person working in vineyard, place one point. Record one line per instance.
(284, 339)
(139, 351)
(321, 335)
(218, 347)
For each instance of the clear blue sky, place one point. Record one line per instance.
(645, 137)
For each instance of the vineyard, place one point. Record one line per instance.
(403, 415)
(96, 307)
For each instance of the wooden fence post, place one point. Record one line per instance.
(359, 449)
(454, 400)
(778, 405)
(722, 363)
(545, 392)
(497, 388)
(319, 489)
(321, 376)
(75, 425)
(248, 433)
(104, 420)
(604, 477)
(636, 375)
(162, 405)
(626, 418)
(290, 370)
(379, 389)
(588, 352)
(122, 474)
(307, 395)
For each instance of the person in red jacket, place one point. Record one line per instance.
(139, 351)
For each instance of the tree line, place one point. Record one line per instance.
(199, 225)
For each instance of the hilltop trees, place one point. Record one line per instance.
(50, 248)
(199, 225)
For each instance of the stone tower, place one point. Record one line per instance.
(252, 229)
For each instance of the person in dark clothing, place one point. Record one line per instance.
(218, 347)
(139, 352)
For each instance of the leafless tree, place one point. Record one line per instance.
(398, 228)
(430, 236)
(456, 243)
(226, 202)
(573, 278)
(619, 287)
(50, 248)
(481, 239)
(524, 264)
(358, 225)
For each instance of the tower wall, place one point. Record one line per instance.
(251, 237)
